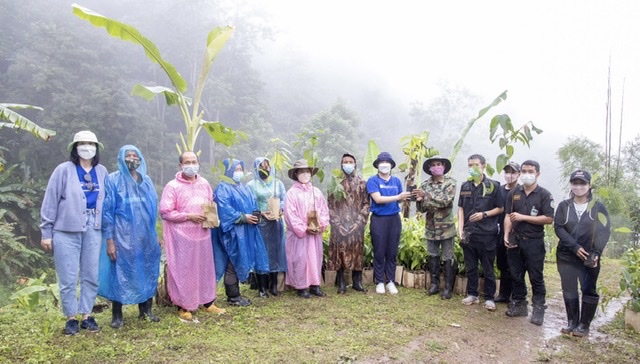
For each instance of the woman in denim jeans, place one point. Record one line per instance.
(71, 227)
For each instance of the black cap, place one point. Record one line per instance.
(581, 175)
(515, 166)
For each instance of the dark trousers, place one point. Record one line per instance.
(480, 248)
(385, 238)
(503, 264)
(528, 257)
(572, 272)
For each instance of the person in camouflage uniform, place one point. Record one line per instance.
(435, 198)
(348, 217)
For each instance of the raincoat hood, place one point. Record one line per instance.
(229, 169)
(256, 167)
(122, 165)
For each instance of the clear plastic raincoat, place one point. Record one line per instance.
(235, 241)
(272, 231)
(129, 217)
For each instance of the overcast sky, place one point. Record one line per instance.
(552, 56)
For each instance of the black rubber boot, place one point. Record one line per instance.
(449, 279)
(304, 293)
(537, 314)
(356, 276)
(342, 286)
(116, 315)
(589, 308)
(572, 306)
(434, 269)
(517, 308)
(253, 281)
(315, 290)
(505, 289)
(263, 283)
(233, 295)
(273, 283)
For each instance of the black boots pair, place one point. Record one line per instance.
(233, 295)
(263, 284)
(578, 325)
(357, 281)
(144, 308)
(449, 277)
(505, 289)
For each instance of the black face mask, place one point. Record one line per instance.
(264, 173)
(132, 163)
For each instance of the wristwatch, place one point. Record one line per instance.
(484, 215)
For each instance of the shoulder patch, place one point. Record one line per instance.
(553, 204)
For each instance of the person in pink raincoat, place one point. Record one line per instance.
(190, 268)
(304, 233)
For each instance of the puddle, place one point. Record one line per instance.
(556, 318)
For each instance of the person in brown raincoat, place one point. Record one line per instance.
(348, 215)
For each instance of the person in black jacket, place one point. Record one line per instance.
(582, 225)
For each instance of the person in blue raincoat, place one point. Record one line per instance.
(130, 259)
(238, 247)
(266, 186)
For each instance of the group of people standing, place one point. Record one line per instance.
(84, 206)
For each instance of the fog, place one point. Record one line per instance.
(382, 58)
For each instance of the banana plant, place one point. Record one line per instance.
(12, 120)
(367, 165)
(189, 108)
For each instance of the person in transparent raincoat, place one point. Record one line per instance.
(130, 259)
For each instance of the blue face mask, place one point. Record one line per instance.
(475, 172)
(237, 176)
(348, 168)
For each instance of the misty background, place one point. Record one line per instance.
(357, 70)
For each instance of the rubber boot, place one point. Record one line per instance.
(253, 281)
(449, 279)
(263, 284)
(434, 268)
(273, 283)
(233, 295)
(356, 276)
(589, 308)
(517, 308)
(505, 289)
(342, 286)
(116, 315)
(572, 306)
(315, 290)
(537, 314)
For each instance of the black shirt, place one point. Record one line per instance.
(483, 197)
(538, 203)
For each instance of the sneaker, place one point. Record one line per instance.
(380, 288)
(71, 328)
(185, 316)
(391, 287)
(215, 309)
(470, 300)
(90, 324)
(490, 305)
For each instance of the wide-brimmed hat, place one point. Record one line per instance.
(384, 157)
(581, 175)
(301, 164)
(515, 166)
(84, 136)
(426, 166)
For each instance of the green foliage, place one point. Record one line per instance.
(630, 281)
(412, 251)
(17, 121)
(506, 136)
(280, 157)
(15, 257)
(580, 153)
(335, 187)
(36, 294)
(372, 154)
(416, 150)
(308, 142)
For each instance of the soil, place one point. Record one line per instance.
(493, 337)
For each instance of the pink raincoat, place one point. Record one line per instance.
(304, 251)
(190, 270)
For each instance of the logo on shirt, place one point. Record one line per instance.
(517, 197)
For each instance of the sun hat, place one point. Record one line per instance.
(301, 164)
(426, 166)
(84, 136)
(384, 157)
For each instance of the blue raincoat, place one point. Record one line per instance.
(129, 217)
(239, 243)
(272, 231)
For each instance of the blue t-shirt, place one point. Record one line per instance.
(392, 187)
(90, 194)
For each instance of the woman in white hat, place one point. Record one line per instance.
(71, 226)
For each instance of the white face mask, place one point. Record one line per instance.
(304, 177)
(528, 179)
(510, 177)
(86, 151)
(190, 170)
(237, 176)
(384, 168)
(579, 190)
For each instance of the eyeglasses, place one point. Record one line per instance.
(89, 182)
